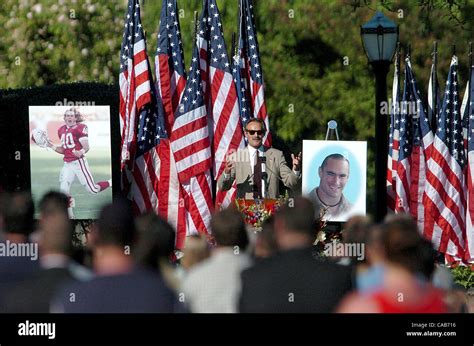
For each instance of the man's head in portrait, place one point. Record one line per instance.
(334, 174)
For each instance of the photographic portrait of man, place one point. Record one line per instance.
(334, 174)
(334, 177)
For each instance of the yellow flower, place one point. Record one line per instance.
(320, 238)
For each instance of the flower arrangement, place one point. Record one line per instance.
(255, 212)
(324, 237)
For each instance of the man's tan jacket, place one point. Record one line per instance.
(276, 169)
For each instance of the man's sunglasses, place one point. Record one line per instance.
(258, 132)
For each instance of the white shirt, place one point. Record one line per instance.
(253, 156)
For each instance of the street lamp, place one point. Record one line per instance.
(379, 38)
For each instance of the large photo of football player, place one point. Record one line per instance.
(70, 152)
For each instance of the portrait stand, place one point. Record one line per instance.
(332, 128)
(333, 227)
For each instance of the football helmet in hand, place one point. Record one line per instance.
(40, 137)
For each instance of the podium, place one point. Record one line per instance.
(267, 202)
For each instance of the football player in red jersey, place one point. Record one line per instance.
(74, 145)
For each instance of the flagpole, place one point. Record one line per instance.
(434, 89)
(196, 25)
(470, 58)
(399, 54)
(239, 24)
(470, 86)
(470, 74)
(470, 53)
(233, 48)
(236, 52)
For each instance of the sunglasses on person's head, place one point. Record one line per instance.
(252, 132)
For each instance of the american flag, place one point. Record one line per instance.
(145, 170)
(393, 139)
(403, 166)
(190, 143)
(170, 82)
(134, 80)
(169, 61)
(151, 169)
(445, 189)
(240, 85)
(145, 146)
(419, 151)
(469, 250)
(251, 72)
(220, 90)
(142, 136)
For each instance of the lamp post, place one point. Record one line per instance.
(379, 38)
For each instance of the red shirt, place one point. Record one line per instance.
(432, 302)
(70, 140)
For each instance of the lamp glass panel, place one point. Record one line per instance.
(371, 46)
(389, 45)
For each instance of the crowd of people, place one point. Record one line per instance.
(129, 264)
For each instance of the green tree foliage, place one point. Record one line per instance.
(51, 41)
(313, 62)
(463, 276)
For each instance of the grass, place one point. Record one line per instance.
(46, 166)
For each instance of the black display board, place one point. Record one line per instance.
(14, 132)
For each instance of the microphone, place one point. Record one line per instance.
(263, 162)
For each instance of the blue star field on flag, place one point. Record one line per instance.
(449, 128)
(169, 37)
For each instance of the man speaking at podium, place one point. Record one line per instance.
(257, 169)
